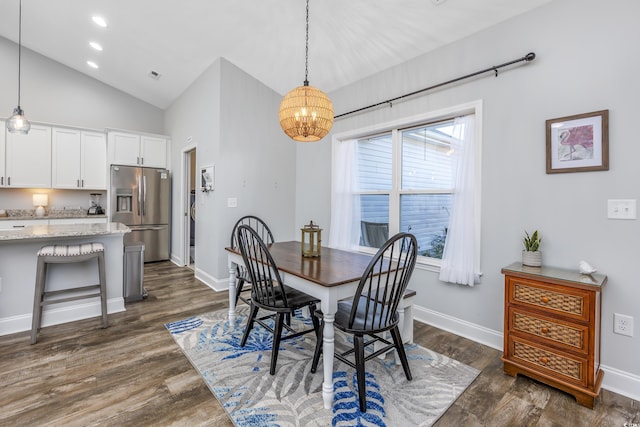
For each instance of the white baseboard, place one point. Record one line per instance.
(218, 285)
(615, 380)
(477, 333)
(56, 316)
(621, 382)
(176, 260)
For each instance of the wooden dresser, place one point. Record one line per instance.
(552, 328)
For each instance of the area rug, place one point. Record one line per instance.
(239, 378)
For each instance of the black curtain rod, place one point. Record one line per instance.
(527, 58)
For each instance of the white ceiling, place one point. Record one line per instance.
(348, 39)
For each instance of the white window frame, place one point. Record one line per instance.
(396, 127)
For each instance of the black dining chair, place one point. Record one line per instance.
(269, 293)
(242, 275)
(373, 309)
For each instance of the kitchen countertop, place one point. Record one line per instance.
(63, 230)
(26, 214)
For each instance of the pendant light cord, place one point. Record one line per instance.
(19, 48)
(306, 51)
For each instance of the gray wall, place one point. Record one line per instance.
(223, 112)
(53, 93)
(584, 64)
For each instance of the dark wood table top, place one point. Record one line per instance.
(334, 267)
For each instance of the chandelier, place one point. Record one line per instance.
(306, 112)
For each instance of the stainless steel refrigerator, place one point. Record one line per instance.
(140, 199)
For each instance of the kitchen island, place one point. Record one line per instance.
(18, 259)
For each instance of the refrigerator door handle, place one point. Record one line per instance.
(139, 195)
(144, 194)
(147, 227)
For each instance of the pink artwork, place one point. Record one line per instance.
(576, 143)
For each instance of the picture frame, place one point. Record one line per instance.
(207, 178)
(578, 143)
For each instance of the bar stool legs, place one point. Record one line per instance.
(64, 254)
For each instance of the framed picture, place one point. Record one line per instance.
(207, 178)
(578, 143)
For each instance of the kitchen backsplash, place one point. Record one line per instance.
(20, 199)
(51, 213)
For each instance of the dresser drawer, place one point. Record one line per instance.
(558, 365)
(566, 335)
(572, 303)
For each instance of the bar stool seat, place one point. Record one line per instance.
(65, 254)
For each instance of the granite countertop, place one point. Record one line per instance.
(24, 214)
(63, 230)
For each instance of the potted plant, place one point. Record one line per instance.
(531, 254)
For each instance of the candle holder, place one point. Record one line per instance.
(311, 239)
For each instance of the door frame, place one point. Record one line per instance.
(185, 197)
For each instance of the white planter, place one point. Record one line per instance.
(532, 259)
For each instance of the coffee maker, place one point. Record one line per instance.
(95, 208)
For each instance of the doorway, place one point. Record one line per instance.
(189, 206)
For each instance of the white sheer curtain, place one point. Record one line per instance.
(458, 259)
(345, 202)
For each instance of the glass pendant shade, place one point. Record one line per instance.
(17, 123)
(306, 114)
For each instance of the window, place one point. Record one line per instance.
(422, 192)
(417, 175)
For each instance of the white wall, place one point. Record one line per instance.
(53, 93)
(223, 114)
(584, 63)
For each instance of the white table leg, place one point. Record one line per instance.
(232, 293)
(327, 359)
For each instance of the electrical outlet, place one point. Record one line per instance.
(622, 324)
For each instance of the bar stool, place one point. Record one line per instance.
(65, 254)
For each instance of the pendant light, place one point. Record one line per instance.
(17, 123)
(306, 112)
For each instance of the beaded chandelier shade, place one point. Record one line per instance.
(306, 112)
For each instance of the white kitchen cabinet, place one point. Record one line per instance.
(28, 158)
(79, 159)
(153, 151)
(137, 150)
(2, 148)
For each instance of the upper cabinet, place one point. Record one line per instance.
(28, 158)
(79, 159)
(2, 148)
(138, 150)
(153, 151)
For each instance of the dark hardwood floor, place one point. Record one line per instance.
(132, 374)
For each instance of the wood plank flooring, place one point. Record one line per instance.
(132, 374)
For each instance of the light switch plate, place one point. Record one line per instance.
(621, 208)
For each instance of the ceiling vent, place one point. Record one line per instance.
(154, 75)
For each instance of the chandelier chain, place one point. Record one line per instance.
(19, 48)
(306, 51)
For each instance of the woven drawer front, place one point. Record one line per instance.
(566, 303)
(551, 361)
(549, 330)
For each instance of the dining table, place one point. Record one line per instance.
(330, 277)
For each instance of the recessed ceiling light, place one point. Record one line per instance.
(99, 20)
(96, 46)
(92, 64)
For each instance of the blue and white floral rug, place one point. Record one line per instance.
(239, 378)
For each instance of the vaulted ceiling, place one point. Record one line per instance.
(179, 39)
